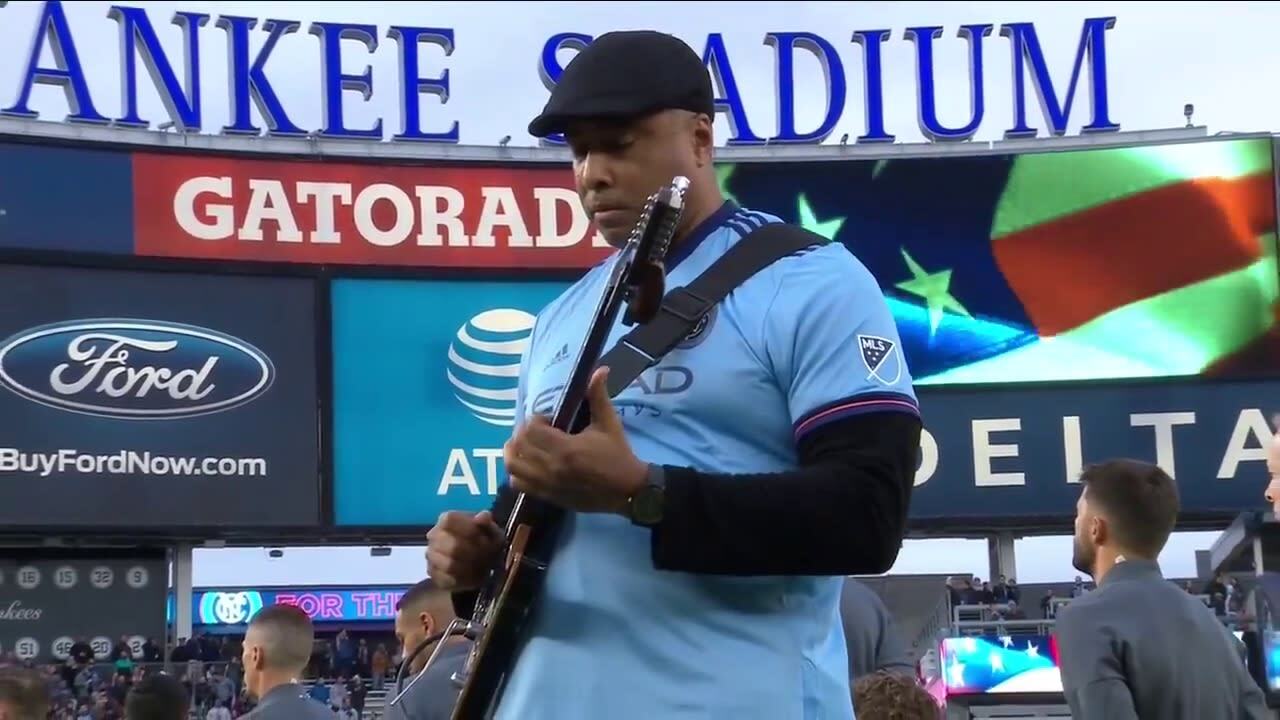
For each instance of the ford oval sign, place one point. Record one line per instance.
(133, 369)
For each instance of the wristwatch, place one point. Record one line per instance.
(646, 505)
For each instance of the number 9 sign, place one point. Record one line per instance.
(137, 577)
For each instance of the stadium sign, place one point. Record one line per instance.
(152, 401)
(135, 369)
(350, 213)
(322, 605)
(255, 48)
(991, 457)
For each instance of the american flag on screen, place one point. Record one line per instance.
(1000, 664)
(1126, 262)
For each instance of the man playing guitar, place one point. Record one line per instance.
(715, 503)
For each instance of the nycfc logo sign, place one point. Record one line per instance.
(232, 609)
(229, 608)
(133, 369)
(484, 363)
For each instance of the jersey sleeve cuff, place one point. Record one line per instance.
(855, 405)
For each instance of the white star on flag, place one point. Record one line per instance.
(997, 662)
(1032, 650)
(1006, 640)
(956, 672)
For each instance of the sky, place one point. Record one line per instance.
(1219, 57)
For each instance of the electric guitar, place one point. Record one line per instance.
(637, 281)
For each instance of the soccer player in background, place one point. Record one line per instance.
(1140, 647)
(277, 647)
(423, 611)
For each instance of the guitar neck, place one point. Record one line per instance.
(571, 416)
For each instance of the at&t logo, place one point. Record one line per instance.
(484, 372)
(484, 363)
(229, 608)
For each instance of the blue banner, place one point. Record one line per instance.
(424, 389)
(424, 393)
(156, 400)
(66, 198)
(236, 606)
(1016, 453)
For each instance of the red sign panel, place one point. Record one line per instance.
(342, 213)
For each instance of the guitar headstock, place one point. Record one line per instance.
(644, 276)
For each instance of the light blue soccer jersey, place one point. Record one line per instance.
(804, 342)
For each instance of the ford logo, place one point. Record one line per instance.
(133, 369)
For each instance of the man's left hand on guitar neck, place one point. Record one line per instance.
(593, 471)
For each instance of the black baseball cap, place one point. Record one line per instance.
(626, 74)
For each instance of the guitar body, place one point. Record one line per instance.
(495, 651)
(510, 594)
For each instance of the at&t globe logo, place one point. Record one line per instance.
(484, 363)
(229, 608)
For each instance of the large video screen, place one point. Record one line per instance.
(1003, 664)
(134, 399)
(1270, 659)
(1135, 262)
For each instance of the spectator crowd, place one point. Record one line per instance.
(84, 687)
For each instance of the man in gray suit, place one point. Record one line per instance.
(423, 611)
(870, 634)
(277, 647)
(1138, 646)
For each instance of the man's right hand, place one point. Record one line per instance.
(462, 548)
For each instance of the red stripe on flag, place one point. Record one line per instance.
(1073, 269)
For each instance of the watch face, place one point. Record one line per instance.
(646, 507)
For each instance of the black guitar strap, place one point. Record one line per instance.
(683, 307)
